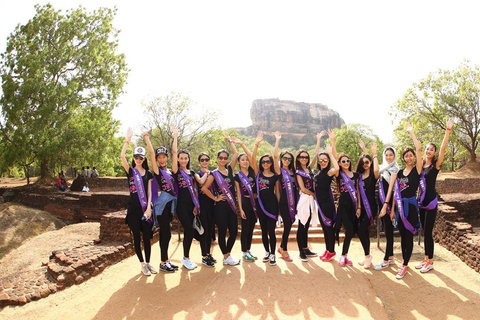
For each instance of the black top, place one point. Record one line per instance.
(308, 182)
(430, 173)
(162, 182)
(266, 187)
(229, 181)
(253, 183)
(323, 184)
(133, 188)
(283, 195)
(409, 184)
(183, 193)
(344, 194)
(369, 187)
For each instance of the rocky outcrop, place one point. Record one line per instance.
(290, 117)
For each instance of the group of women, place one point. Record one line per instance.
(287, 188)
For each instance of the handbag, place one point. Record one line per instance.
(197, 225)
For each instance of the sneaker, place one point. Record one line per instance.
(251, 255)
(391, 261)
(348, 261)
(421, 264)
(329, 256)
(187, 263)
(231, 261)
(172, 265)
(285, 256)
(324, 254)
(367, 262)
(341, 262)
(427, 267)
(151, 269)
(248, 258)
(272, 260)
(207, 262)
(165, 267)
(309, 253)
(194, 265)
(266, 257)
(145, 270)
(382, 265)
(211, 258)
(402, 272)
(303, 256)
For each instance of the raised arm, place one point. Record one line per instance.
(418, 148)
(255, 150)
(233, 162)
(124, 150)
(443, 148)
(278, 136)
(174, 149)
(244, 147)
(151, 152)
(362, 146)
(335, 168)
(317, 149)
(331, 136)
(376, 168)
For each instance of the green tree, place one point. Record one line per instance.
(61, 77)
(441, 95)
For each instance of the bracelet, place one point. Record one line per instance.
(375, 156)
(145, 134)
(448, 129)
(127, 142)
(230, 141)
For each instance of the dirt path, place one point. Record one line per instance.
(295, 290)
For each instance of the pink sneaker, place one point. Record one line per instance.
(329, 256)
(324, 254)
(341, 262)
(348, 261)
(368, 262)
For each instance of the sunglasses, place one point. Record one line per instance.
(265, 161)
(366, 163)
(345, 161)
(287, 159)
(322, 161)
(302, 157)
(205, 159)
(139, 158)
(222, 158)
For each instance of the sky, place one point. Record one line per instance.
(356, 57)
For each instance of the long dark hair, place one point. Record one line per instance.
(359, 168)
(272, 164)
(298, 165)
(144, 163)
(183, 151)
(434, 160)
(291, 166)
(318, 164)
(238, 159)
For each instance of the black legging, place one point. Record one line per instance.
(225, 219)
(388, 228)
(328, 232)
(287, 225)
(427, 219)
(302, 235)
(248, 225)
(207, 219)
(185, 215)
(164, 231)
(346, 215)
(268, 225)
(407, 236)
(364, 232)
(147, 235)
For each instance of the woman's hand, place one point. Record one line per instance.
(259, 137)
(220, 197)
(383, 212)
(243, 215)
(331, 135)
(450, 123)
(359, 212)
(278, 135)
(373, 148)
(129, 134)
(236, 140)
(409, 127)
(174, 131)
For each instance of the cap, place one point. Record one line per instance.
(161, 150)
(139, 152)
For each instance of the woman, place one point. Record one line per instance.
(327, 168)
(207, 217)
(405, 192)
(306, 203)
(245, 184)
(388, 170)
(368, 170)
(188, 204)
(288, 194)
(166, 185)
(139, 206)
(224, 197)
(349, 205)
(428, 200)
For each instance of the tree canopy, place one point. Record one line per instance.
(61, 77)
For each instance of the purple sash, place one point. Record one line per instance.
(222, 185)
(142, 195)
(268, 214)
(397, 196)
(246, 182)
(303, 174)
(191, 189)
(287, 180)
(350, 187)
(364, 198)
(423, 191)
(170, 182)
(381, 195)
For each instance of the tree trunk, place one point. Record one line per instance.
(27, 174)
(473, 156)
(43, 170)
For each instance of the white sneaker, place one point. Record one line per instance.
(367, 262)
(151, 269)
(187, 263)
(266, 256)
(145, 270)
(231, 261)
